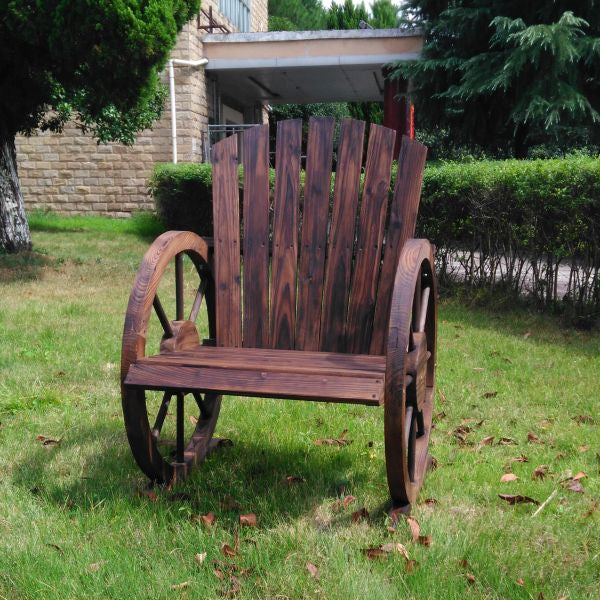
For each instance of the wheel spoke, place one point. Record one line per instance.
(180, 428)
(162, 317)
(408, 416)
(162, 413)
(423, 310)
(416, 307)
(179, 286)
(197, 301)
(204, 412)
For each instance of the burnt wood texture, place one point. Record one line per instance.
(338, 302)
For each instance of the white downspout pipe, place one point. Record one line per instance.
(172, 63)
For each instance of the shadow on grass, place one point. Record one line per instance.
(24, 266)
(244, 478)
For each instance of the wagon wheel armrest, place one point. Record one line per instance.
(414, 252)
(164, 248)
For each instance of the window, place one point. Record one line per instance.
(238, 12)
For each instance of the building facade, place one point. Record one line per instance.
(71, 173)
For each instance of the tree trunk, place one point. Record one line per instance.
(14, 229)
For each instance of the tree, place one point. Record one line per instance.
(501, 73)
(346, 15)
(96, 63)
(296, 15)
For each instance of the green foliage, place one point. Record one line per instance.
(503, 72)
(296, 15)
(95, 62)
(347, 15)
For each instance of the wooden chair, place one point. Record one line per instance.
(336, 301)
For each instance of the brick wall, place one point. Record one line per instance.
(71, 173)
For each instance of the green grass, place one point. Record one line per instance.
(68, 506)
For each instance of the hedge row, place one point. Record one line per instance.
(530, 227)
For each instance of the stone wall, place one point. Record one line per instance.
(71, 173)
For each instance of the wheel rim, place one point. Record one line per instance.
(153, 418)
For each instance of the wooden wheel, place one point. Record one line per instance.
(176, 265)
(410, 373)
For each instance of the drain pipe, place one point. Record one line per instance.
(172, 63)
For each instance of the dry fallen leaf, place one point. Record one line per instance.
(425, 540)
(517, 499)
(508, 477)
(228, 551)
(590, 511)
(441, 395)
(235, 586)
(583, 448)
(295, 479)
(526, 335)
(358, 515)
(94, 567)
(486, 441)
(410, 565)
(430, 501)
(193, 420)
(56, 547)
(150, 494)
(415, 528)
(249, 520)
(463, 563)
(580, 419)
(200, 557)
(540, 596)
(348, 500)
(579, 476)
(219, 574)
(313, 570)
(490, 394)
(180, 586)
(208, 519)
(339, 441)
(396, 547)
(533, 438)
(506, 441)
(575, 486)
(520, 581)
(373, 553)
(540, 472)
(470, 578)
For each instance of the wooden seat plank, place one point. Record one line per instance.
(246, 382)
(402, 223)
(285, 234)
(226, 220)
(361, 305)
(315, 212)
(256, 237)
(288, 361)
(341, 236)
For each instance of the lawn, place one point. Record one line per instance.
(75, 522)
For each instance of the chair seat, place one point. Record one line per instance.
(326, 376)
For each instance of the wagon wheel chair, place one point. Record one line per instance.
(401, 357)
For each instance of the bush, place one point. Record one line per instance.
(520, 227)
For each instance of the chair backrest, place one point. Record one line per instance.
(326, 283)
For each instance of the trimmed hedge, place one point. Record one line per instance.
(523, 226)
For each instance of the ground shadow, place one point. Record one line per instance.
(246, 477)
(23, 266)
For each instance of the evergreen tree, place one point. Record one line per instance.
(507, 73)
(96, 63)
(296, 15)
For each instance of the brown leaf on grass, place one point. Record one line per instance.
(360, 514)
(486, 441)
(235, 586)
(507, 477)
(200, 557)
(425, 540)
(517, 499)
(228, 551)
(591, 510)
(540, 596)
(463, 563)
(581, 419)
(55, 547)
(470, 578)
(506, 441)
(396, 547)
(294, 479)
(410, 565)
(575, 486)
(442, 396)
(313, 570)
(180, 586)
(229, 503)
(430, 501)
(583, 448)
(520, 581)
(193, 420)
(440, 415)
(490, 394)
(540, 472)
(385, 550)
(248, 520)
(478, 369)
(579, 476)
(373, 553)
(208, 519)
(147, 493)
(219, 574)
(48, 441)
(433, 463)
(94, 567)
(526, 335)
(348, 500)
(341, 440)
(533, 438)
(520, 459)
(415, 528)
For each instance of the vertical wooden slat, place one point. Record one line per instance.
(341, 236)
(361, 305)
(227, 242)
(285, 234)
(317, 185)
(403, 218)
(256, 237)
